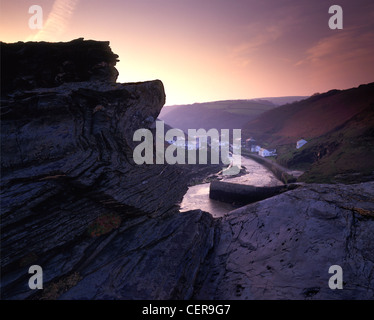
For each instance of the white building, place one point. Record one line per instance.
(267, 153)
(255, 148)
(300, 143)
(189, 145)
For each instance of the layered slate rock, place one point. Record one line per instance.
(283, 247)
(67, 159)
(158, 259)
(31, 65)
(66, 163)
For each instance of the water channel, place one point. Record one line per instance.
(197, 197)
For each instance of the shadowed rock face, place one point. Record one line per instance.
(26, 66)
(283, 247)
(67, 160)
(71, 144)
(157, 259)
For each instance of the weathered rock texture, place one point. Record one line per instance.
(67, 160)
(31, 65)
(157, 259)
(283, 247)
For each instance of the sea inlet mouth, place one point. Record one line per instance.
(197, 197)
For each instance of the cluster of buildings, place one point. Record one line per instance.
(189, 145)
(250, 144)
(253, 147)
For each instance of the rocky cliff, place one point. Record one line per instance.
(283, 247)
(40, 64)
(74, 202)
(67, 159)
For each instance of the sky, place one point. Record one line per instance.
(210, 50)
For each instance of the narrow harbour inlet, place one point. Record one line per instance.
(197, 197)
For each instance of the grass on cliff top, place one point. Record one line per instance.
(342, 156)
(345, 164)
(345, 154)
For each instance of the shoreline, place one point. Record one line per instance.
(283, 174)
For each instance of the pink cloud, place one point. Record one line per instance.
(341, 47)
(346, 56)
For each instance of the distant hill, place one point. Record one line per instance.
(229, 114)
(339, 128)
(311, 117)
(284, 100)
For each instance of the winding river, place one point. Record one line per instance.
(197, 197)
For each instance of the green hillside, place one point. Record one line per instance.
(339, 128)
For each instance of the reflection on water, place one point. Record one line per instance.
(197, 197)
(257, 175)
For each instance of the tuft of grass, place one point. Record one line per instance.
(54, 290)
(364, 212)
(104, 224)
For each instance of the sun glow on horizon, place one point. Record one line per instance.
(205, 51)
